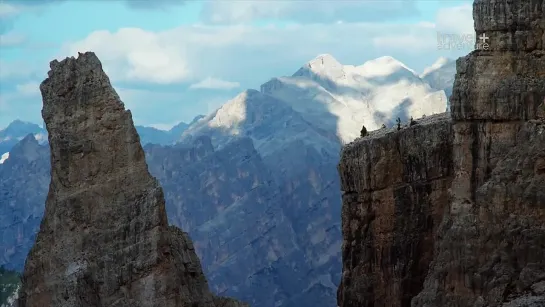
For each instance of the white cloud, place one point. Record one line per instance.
(412, 40)
(309, 11)
(8, 10)
(28, 89)
(140, 98)
(159, 107)
(246, 53)
(455, 20)
(17, 70)
(213, 83)
(11, 39)
(237, 52)
(136, 54)
(4, 106)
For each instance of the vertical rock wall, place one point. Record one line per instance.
(489, 249)
(395, 188)
(104, 239)
(492, 248)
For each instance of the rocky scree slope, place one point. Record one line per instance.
(104, 239)
(489, 248)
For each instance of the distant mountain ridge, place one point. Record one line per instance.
(346, 97)
(16, 131)
(440, 76)
(374, 93)
(254, 182)
(150, 135)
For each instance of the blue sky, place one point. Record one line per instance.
(171, 60)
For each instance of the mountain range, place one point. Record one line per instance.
(254, 183)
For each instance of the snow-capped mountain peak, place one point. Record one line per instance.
(440, 76)
(439, 63)
(323, 66)
(371, 94)
(383, 66)
(324, 61)
(334, 100)
(17, 130)
(234, 111)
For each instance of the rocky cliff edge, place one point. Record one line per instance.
(489, 248)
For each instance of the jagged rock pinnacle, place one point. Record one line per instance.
(104, 239)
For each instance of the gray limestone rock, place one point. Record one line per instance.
(491, 250)
(104, 239)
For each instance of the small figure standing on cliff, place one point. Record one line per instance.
(413, 122)
(383, 126)
(398, 123)
(363, 131)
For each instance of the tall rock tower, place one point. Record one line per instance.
(492, 241)
(104, 239)
(451, 212)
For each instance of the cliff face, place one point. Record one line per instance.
(492, 247)
(395, 189)
(104, 239)
(489, 248)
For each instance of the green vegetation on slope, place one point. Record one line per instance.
(9, 281)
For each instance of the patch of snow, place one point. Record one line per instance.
(12, 299)
(41, 138)
(4, 157)
(371, 94)
(324, 102)
(440, 62)
(440, 75)
(382, 66)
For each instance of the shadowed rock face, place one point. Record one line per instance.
(395, 189)
(492, 247)
(489, 249)
(104, 239)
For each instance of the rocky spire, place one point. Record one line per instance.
(104, 239)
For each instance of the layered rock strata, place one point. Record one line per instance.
(395, 188)
(104, 239)
(489, 249)
(492, 246)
